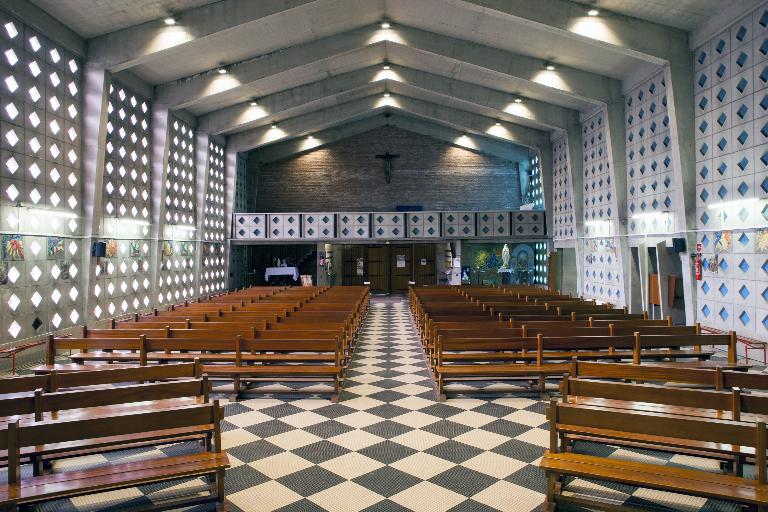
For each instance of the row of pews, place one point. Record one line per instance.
(145, 382)
(48, 420)
(521, 333)
(625, 382)
(260, 334)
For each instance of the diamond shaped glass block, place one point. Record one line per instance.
(744, 292)
(723, 264)
(706, 311)
(704, 172)
(764, 295)
(667, 202)
(722, 191)
(721, 95)
(723, 289)
(722, 144)
(743, 265)
(764, 212)
(742, 111)
(360, 231)
(704, 195)
(743, 188)
(723, 314)
(703, 103)
(466, 231)
(743, 214)
(743, 137)
(744, 318)
(705, 287)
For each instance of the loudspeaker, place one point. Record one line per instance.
(678, 244)
(99, 249)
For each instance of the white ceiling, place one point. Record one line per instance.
(91, 18)
(307, 41)
(684, 14)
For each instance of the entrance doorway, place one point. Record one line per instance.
(389, 267)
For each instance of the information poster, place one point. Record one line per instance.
(401, 261)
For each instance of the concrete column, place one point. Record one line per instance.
(201, 183)
(231, 163)
(679, 77)
(160, 147)
(96, 84)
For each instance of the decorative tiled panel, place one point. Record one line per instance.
(284, 226)
(250, 226)
(731, 126)
(493, 224)
(528, 223)
(603, 275)
(353, 225)
(533, 193)
(562, 191)
(541, 267)
(318, 226)
(40, 168)
(650, 161)
(389, 225)
(423, 224)
(458, 224)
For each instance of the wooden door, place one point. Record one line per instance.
(424, 264)
(350, 274)
(378, 273)
(401, 265)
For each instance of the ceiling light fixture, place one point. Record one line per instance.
(498, 123)
(254, 103)
(593, 12)
(169, 20)
(385, 66)
(273, 125)
(518, 100)
(222, 70)
(386, 95)
(310, 137)
(549, 66)
(385, 23)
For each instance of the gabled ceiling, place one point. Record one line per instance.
(314, 63)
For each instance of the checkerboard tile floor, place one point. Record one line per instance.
(388, 445)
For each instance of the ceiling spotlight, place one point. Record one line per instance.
(549, 66)
(385, 66)
(169, 20)
(498, 123)
(222, 70)
(310, 137)
(518, 100)
(385, 23)
(593, 12)
(273, 125)
(254, 103)
(386, 95)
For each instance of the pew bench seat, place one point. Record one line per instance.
(652, 476)
(464, 372)
(113, 476)
(277, 373)
(586, 355)
(162, 357)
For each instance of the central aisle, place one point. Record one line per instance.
(388, 445)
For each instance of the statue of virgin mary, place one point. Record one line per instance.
(505, 257)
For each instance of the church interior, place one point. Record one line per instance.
(384, 255)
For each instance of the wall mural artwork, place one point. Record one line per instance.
(55, 248)
(484, 263)
(13, 247)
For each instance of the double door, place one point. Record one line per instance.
(390, 267)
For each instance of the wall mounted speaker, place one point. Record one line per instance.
(99, 249)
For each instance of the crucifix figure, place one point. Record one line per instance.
(388, 157)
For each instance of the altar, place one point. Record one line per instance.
(291, 272)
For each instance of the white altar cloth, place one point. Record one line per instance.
(282, 271)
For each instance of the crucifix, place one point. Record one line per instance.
(388, 157)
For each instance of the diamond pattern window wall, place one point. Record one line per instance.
(40, 197)
(731, 130)
(212, 278)
(122, 281)
(603, 276)
(562, 190)
(177, 276)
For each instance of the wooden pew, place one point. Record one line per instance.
(557, 463)
(109, 431)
